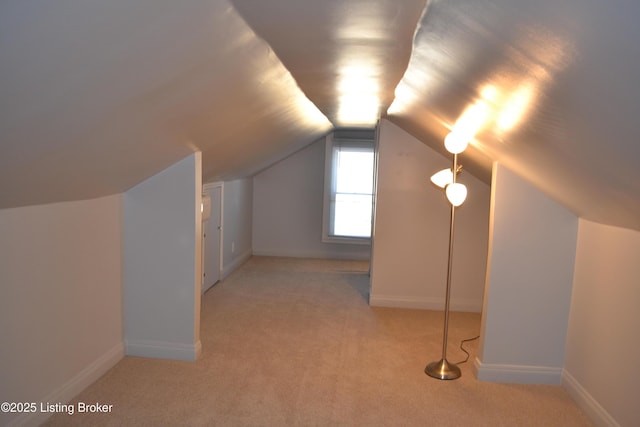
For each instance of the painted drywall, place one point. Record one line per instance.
(61, 303)
(287, 209)
(532, 247)
(602, 337)
(236, 224)
(411, 240)
(162, 263)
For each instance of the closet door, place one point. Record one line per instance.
(212, 239)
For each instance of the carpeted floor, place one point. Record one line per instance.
(293, 342)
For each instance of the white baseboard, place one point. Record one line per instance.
(518, 374)
(67, 391)
(317, 255)
(466, 305)
(163, 350)
(233, 265)
(594, 410)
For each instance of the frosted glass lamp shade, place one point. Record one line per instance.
(442, 178)
(456, 142)
(456, 193)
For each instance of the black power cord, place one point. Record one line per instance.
(463, 349)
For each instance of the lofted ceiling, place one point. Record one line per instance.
(96, 96)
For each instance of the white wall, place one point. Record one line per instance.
(287, 209)
(532, 247)
(602, 341)
(411, 242)
(61, 300)
(162, 263)
(237, 226)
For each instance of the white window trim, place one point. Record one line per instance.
(326, 209)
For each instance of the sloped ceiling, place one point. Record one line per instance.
(549, 87)
(347, 56)
(96, 96)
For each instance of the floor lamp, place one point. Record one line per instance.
(456, 194)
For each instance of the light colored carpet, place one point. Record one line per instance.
(293, 342)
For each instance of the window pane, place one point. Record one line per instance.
(349, 190)
(352, 215)
(355, 171)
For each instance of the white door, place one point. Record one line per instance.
(212, 239)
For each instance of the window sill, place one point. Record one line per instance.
(347, 240)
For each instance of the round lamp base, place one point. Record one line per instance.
(443, 370)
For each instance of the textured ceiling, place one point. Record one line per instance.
(97, 96)
(347, 56)
(549, 89)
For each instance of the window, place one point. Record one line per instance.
(349, 169)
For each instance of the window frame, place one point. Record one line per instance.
(329, 185)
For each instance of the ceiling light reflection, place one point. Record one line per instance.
(473, 119)
(358, 109)
(313, 116)
(515, 108)
(404, 98)
(490, 93)
(507, 92)
(359, 96)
